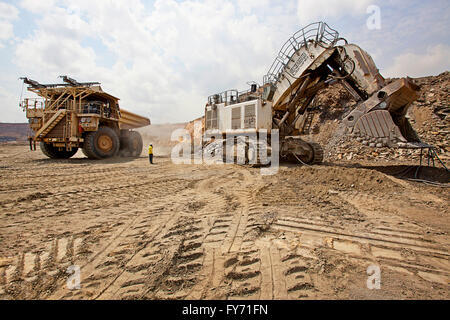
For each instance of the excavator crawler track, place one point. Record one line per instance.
(318, 153)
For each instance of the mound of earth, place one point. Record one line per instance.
(429, 116)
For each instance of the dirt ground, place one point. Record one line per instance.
(219, 232)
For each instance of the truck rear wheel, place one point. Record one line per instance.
(54, 153)
(131, 144)
(101, 144)
(136, 144)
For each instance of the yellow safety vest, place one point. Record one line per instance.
(150, 150)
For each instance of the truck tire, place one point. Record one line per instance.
(124, 150)
(131, 144)
(85, 152)
(101, 144)
(53, 153)
(136, 144)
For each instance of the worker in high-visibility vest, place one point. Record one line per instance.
(150, 153)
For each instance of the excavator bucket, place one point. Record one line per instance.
(381, 120)
(377, 129)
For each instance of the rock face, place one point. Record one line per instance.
(429, 116)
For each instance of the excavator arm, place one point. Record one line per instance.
(311, 60)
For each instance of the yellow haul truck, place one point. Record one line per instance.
(76, 115)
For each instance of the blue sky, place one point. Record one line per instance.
(164, 57)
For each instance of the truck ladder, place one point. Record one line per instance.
(50, 124)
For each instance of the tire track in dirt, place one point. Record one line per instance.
(239, 223)
(210, 274)
(181, 270)
(231, 265)
(411, 253)
(124, 194)
(132, 277)
(94, 261)
(210, 232)
(273, 283)
(121, 258)
(296, 270)
(79, 188)
(81, 198)
(39, 269)
(218, 220)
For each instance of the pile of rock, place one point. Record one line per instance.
(348, 149)
(434, 98)
(429, 116)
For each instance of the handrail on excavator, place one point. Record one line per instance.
(317, 31)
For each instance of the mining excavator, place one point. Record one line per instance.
(313, 58)
(72, 115)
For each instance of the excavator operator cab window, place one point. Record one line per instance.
(215, 99)
(230, 97)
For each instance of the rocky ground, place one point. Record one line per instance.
(219, 232)
(429, 116)
(227, 232)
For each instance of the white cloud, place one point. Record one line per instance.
(49, 55)
(8, 13)
(433, 62)
(164, 58)
(6, 30)
(315, 10)
(38, 6)
(247, 6)
(8, 98)
(168, 58)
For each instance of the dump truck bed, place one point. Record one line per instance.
(130, 120)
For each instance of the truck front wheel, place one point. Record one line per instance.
(101, 144)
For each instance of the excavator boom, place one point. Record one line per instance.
(311, 60)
